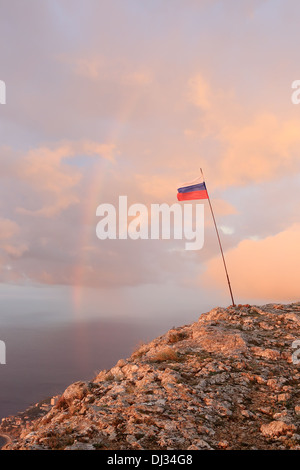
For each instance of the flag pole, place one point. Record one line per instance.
(212, 213)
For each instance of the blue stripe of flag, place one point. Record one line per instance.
(194, 187)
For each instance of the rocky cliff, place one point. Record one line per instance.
(228, 381)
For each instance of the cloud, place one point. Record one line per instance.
(60, 187)
(11, 244)
(262, 150)
(199, 92)
(48, 173)
(102, 69)
(160, 88)
(8, 229)
(253, 146)
(261, 269)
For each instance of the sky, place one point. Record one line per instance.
(131, 98)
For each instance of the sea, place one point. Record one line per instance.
(41, 361)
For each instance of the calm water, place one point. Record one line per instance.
(43, 361)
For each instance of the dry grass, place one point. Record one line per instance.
(165, 354)
(175, 336)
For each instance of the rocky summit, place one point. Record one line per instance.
(228, 381)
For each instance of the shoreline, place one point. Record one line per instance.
(7, 439)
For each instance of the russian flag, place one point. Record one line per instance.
(192, 191)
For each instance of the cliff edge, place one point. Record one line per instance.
(227, 381)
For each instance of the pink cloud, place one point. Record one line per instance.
(47, 173)
(8, 228)
(262, 150)
(267, 268)
(11, 243)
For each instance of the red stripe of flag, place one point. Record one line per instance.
(192, 195)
